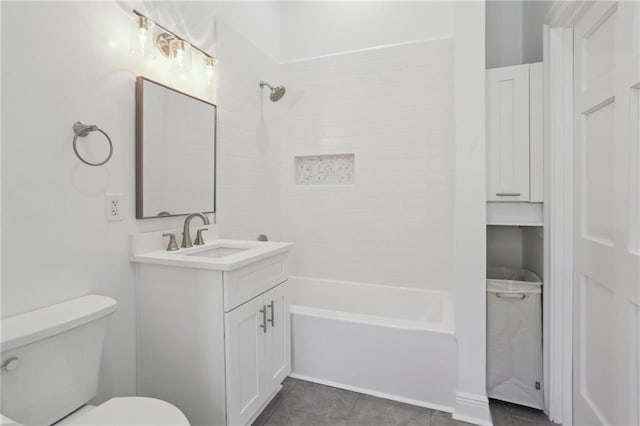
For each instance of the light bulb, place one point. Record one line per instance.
(140, 43)
(180, 58)
(182, 55)
(142, 35)
(210, 68)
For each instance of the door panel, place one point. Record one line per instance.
(278, 340)
(607, 268)
(508, 134)
(596, 314)
(244, 361)
(597, 184)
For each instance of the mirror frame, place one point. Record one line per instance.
(140, 148)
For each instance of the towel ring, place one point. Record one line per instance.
(82, 130)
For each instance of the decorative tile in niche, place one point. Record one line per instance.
(334, 169)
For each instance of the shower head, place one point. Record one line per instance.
(276, 92)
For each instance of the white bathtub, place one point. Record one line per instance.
(391, 342)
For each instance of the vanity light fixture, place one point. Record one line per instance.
(141, 36)
(171, 46)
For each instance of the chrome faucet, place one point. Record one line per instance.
(186, 235)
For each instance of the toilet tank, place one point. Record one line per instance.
(51, 358)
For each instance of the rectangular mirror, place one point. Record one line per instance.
(175, 152)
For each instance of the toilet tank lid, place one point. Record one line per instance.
(22, 329)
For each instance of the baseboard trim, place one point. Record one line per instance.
(472, 408)
(373, 393)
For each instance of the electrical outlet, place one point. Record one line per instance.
(114, 207)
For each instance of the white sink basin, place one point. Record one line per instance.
(221, 255)
(219, 251)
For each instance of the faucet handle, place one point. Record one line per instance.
(173, 245)
(199, 240)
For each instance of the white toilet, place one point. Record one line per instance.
(50, 362)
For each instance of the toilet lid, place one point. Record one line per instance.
(133, 411)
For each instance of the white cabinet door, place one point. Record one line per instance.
(508, 134)
(278, 337)
(244, 350)
(258, 353)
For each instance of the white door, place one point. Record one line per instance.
(245, 328)
(607, 242)
(508, 134)
(278, 338)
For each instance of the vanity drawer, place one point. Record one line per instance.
(245, 283)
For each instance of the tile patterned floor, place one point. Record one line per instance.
(504, 413)
(303, 403)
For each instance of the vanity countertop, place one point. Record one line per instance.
(219, 254)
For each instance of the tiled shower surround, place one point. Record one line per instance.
(392, 108)
(325, 169)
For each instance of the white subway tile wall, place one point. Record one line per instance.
(393, 109)
(248, 175)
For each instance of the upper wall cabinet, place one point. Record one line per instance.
(514, 133)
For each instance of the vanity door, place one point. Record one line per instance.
(277, 338)
(245, 328)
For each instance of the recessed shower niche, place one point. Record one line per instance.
(333, 169)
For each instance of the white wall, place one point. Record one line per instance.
(393, 108)
(514, 31)
(518, 247)
(533, 19)
(504, 246)
(71, 63)
(248, 143)
(533, 250)
(257, 21)
(503, 37)
(470, 213)
(310, 29)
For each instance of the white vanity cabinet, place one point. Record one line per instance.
(215, 343)
(514, 133)
(257, 352)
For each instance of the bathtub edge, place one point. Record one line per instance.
(433, 327)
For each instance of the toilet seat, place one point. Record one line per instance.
(132, 411)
